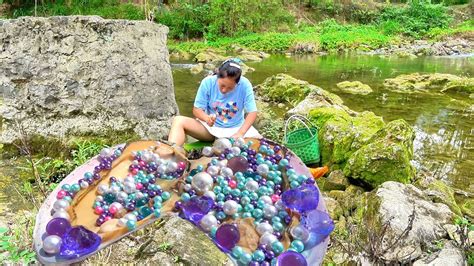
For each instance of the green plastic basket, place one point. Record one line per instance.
(304, 141)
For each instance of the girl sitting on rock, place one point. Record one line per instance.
(219, 108)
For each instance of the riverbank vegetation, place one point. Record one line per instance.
(274, 25)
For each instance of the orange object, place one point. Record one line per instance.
(318, 172)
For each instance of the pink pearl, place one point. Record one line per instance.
(98, 210)
(232, 184)
(107, 218)
(139, 186)
(112, 209)
(134, 171)
(182, 165)
(275, 198)
(141, 163)
(61, 194)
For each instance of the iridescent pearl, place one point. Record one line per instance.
(62, 214)
(269, 211)
(187, 187)
(245, 258)
(227, 172)
(207, 151)
(235, 151)
(222, 163)
(122, 195)
(300, 232)
(263, 169)
(208, 221)
(60, 205)
(213, 170)
(266, 199)
(122, 222)
(202, 182)
(115, 189)
(240, 142)
(251, 185)
(129, 179)
(105, 152)
(221, 144)
(52, 244)
(172, 167)
(237, 252)
(210, 194)
(102, 189)
(277, 247)
(83, 184)
(230, 207)
(263, 228)
(258, 255)
(298, 245)
(267, 239)
(280, 205)
(129, 187)
(162, 169)
(130, 216)
(165, 195)
(131, 224)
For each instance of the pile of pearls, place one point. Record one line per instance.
(253, 193)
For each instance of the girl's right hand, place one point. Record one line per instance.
(211, 119)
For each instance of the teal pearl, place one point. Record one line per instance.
(240, 179)
(259, 155)
(298, 245)
(253, 196)
(132, 196)
(223, 183)
(250, 143)
(220, 178)
(213, 231)
(220, 215)
(249, 208)
(157, 212)
(261, 190)
(66, 187)
(67, 198)
(105, 207)
(131, 224)
(200, 167)
(245, 193)
(270, 184)
(241, 186)
(96, 204)
(217, 189)
(260, 160)
(302, 178)
(261, 204)
(189, 179)
(185, 196)
(88, 175)
(257, 213)
(239, 175)
(269, 163)
(294, 184)
(244, 154)
(237, 252)
(277, 247)
(284, 162)
(75, 187)
(139, 153)
(158, 199)
(236, 216)
(245, 258)
(226, 190)
(257, 177)
(244, 200)
(135, 213)
(277, 180)
(271, 175)
(273, 262)
(117, 152)
(246, 215)
(157, 205)
(239, 208)
(277, 226)
(276, 219)
(165, 195)
(282, 214)
(229, 156)
(270, 152)
(214, 161)
(258, 255)
(220, 197)
(145, 211)
(236, 192)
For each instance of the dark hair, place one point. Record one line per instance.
(229, 69)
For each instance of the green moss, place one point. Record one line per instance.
(283, 88)
(445, 195)
(366, 125)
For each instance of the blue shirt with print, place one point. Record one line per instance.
(229, 108)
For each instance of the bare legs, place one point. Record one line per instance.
(183, 126)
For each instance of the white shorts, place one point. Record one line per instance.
(221, 132)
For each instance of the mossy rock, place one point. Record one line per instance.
(464, 85)
(439, 191)
(366, 124)
(354, 87)
(209, 55)
(386, 157)
(283, 88)
(416, 82)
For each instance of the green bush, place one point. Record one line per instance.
(417, 18)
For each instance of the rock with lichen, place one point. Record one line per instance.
(436, 82)
(354, 87)
(283, 88)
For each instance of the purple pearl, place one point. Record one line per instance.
(130, 206)
(152, 193)
(228, 197)
(291, 258)
(310, 181)
(262, 247)
(192, 192)
(178, 205)
(253, 202)
(265, 263)
(253, 263)
(287, 219)
(277, 234)
(152, 181)
(98, 168)
(227, 236)
(99, 221)
(57, 226)
(269, 254)
(113, 179)
(90, 181)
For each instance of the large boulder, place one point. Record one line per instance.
(436, 82)
(170, 241)
(283, 88)
(80, 75)
(354, 87)
(404, 213)
(386, 156)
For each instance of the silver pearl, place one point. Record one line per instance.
(227, 172)
(230, 207)
(129, 179)
(83, 184)
(213, 170)
(222, 163)
(139, 195)
(99, 198)
(52, 244)
(129, 187)
(207, 151)
(267, 239)
(106, 152)
(162, 169)
(172, 167)
(130, 216)
(187, 187)
(300, 232)
(240, 142)
(122, 195)
(155, 157)
(251, 185)
(263, 228)
(210, 194)
(280, 205)
(202, 182)
(221, 144)
(102, 189)
(266, 199)
(146, 156)
(62, 214)
(122, 222)
(269, 211)
(60, 204)
(263, 169)
(115, 189)
(235, 151)
(208, 222)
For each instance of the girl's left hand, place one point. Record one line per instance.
(237, 135)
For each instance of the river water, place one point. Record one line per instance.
(444, 142)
